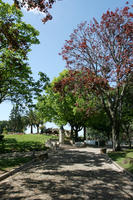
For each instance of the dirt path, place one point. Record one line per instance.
(76, 174)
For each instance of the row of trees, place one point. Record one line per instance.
(20, 120)
(99, 77)
(68, 101)
(103, 51)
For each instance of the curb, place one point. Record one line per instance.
(14, 171)
(18, 169)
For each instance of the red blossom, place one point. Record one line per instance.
(99, 56)
(83, 45)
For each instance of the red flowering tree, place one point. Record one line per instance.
(104, 50)
(42, 5)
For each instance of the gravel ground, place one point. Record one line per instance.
(76, 174)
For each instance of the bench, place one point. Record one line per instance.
(52, 144)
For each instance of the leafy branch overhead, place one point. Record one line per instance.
(41, 5)
(16, 38)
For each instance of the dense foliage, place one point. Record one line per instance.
(104, 50)
(16, 38)
(62, 106)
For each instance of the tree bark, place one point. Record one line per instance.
(71, 133)
(61, 135)
(118, 146)
(130, 144)
(129, 140)
(113, 138)
(116, 135)
(37, 128)
(76, 134)
(31, 130)
(84, 133)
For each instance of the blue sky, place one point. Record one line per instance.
(66, 15)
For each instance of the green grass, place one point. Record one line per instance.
(20, 143)
(23, 143)
(123, 158)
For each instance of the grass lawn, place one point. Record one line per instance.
(123, 158)
(21, 143)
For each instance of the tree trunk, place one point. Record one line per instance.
(129, 140)
(71, 133)
(84, 133)
(113, 138)
(37, 128)
(31, 130)
(118, 146)
(130, 144)
(76, 134)
(116, 136)
(61, 135)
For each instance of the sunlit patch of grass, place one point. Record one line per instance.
(23, 143)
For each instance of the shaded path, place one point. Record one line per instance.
(76, 174)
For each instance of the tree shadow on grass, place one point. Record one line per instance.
(116, 155)
(10, 146)
(61, 178)
(9, 163)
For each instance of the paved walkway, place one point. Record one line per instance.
(76, 174)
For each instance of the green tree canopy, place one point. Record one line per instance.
(62, 105)
(16, 38)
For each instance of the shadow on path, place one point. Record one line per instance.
(69, 174)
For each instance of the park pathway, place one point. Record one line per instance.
(76, 174)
